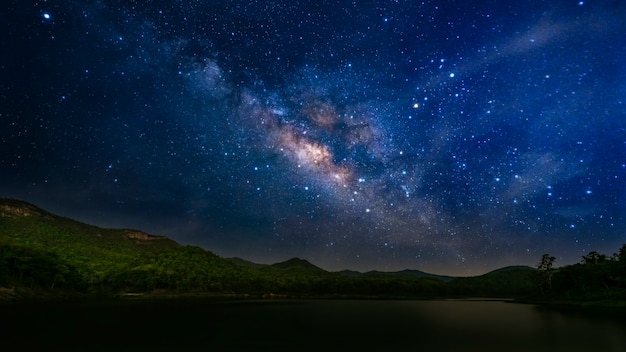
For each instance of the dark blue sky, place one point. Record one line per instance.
(452, 137)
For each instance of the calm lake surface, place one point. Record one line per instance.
(307, 325)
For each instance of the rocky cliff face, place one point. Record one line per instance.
(11, 209)
(142, 236)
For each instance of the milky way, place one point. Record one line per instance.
(441, 136)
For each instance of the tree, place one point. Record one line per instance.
(594, 258)
(546, 263)
(621, 255)
(544, 273)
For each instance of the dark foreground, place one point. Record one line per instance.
(304, 325)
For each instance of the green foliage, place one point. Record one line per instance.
(38, 249)
(37, 268)
(620, 256)
(182, 269)
(93, 252)
(594, 257)
(542, 278)
(596, 277)
(505, 282)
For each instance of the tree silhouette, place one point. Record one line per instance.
(621, 255)
(594, 258)
(543, 276)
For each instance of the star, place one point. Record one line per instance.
(473, 136)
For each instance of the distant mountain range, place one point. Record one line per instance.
(41, 249)
(304, 265)
(407, 273)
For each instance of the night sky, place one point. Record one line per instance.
(453, 137)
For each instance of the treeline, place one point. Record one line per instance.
(42, 252)
(597, 276)
(33, 267)
(187, 269)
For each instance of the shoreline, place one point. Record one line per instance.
(18, 295)
(599, 305)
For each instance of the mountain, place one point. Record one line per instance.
(350, 273)
(40, 249)
(22, 221)
(507, 281)
(510, 269)
(247, 263)
(297, 264)
(293, 264)
(409, 274)
(43, 251)
(510, 280)
(406, 274)
(25, 224)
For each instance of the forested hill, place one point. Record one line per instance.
(43, 252)
(25, 223)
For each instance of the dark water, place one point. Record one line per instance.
(315, 325)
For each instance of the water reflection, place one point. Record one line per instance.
(308, 326)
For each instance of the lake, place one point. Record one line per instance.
(306, 325)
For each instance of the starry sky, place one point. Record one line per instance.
(453, 137)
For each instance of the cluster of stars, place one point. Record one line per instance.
(420, 135)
